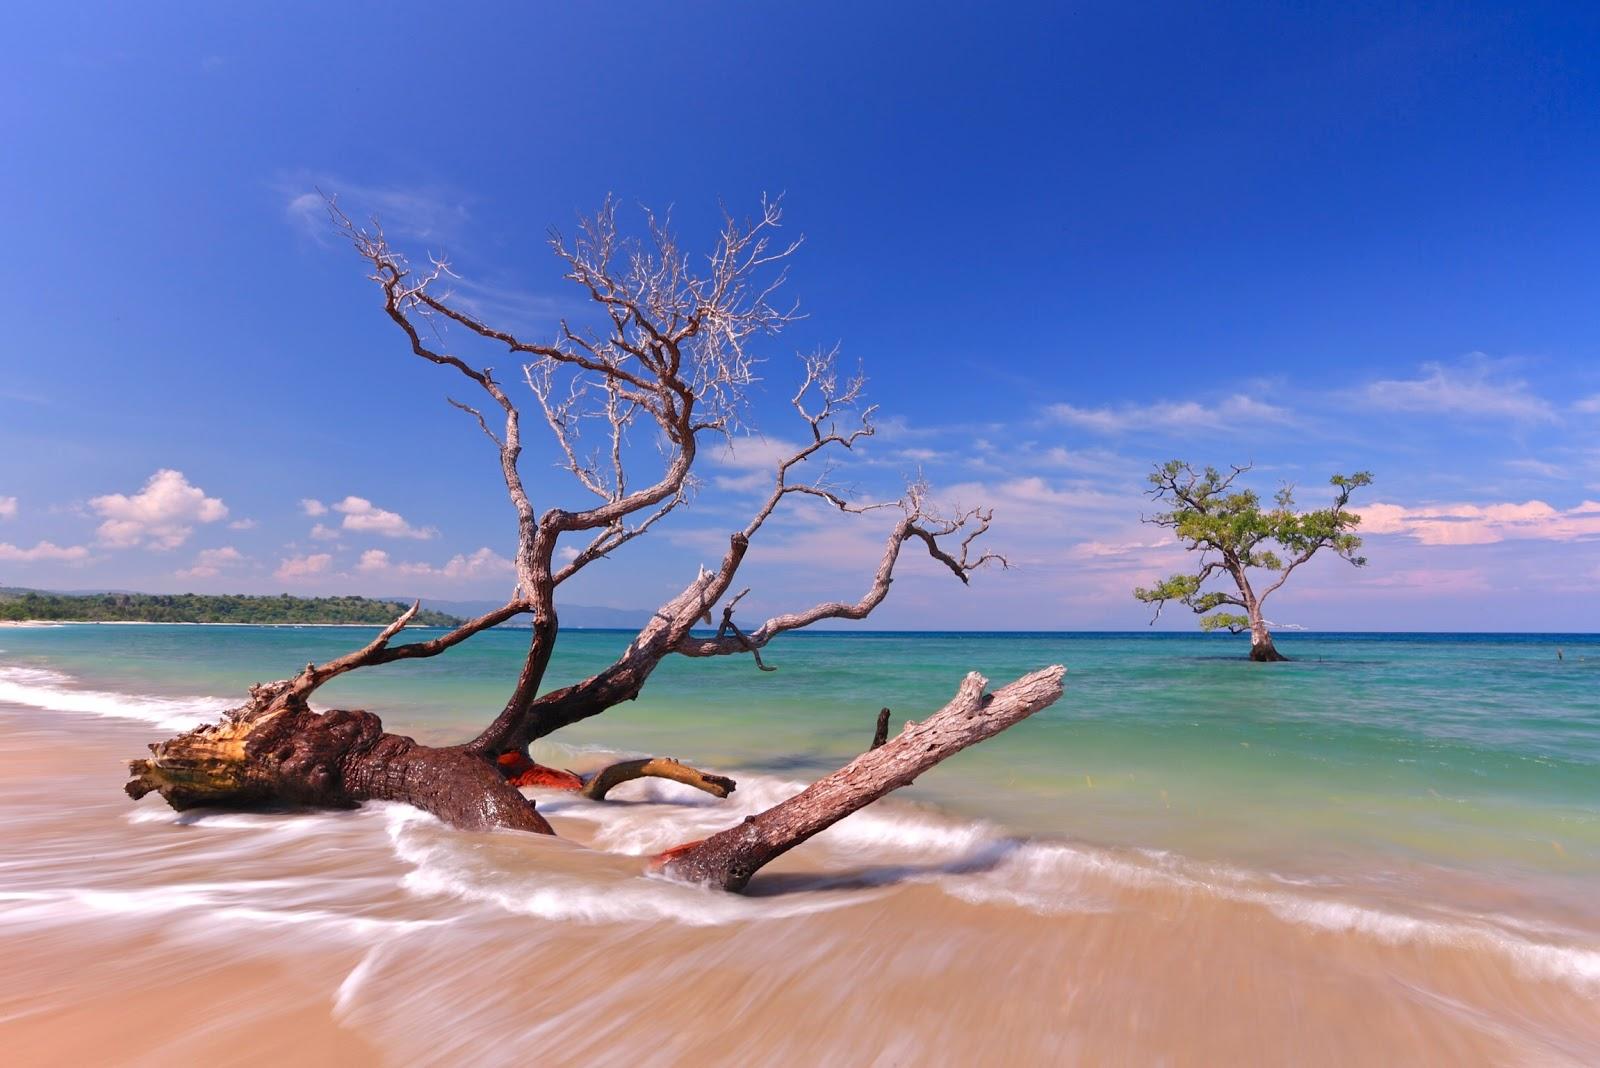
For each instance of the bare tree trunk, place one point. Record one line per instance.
(1261, 648)
(730, 858)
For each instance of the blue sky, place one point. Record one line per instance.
(1064, 243)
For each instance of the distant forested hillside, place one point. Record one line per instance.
(206, 608)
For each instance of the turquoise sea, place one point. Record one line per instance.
(1470, 753)
(1385, 851)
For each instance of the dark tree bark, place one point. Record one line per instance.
(881, 734)
(276, 751)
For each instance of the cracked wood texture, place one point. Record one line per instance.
(276, 751)
(730, 858)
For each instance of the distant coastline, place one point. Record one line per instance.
(43, 607)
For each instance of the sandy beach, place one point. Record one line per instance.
(134, 935)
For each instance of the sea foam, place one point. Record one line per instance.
(44, 688)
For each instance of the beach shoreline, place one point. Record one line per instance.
(1102, 935)
(395, 913)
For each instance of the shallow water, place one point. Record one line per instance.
(1385, 850)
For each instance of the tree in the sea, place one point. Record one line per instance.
(660, 367)
(1236, 538)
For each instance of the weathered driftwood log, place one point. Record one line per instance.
(276, 751)
(730, 858)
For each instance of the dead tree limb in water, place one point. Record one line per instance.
(730, 858)
(665, 356)
(658, 767)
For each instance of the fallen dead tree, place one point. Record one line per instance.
(730, 858)
(669, 356)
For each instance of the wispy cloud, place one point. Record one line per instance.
(1431, 581)
(162, 515)
(1171, 416)
(1476, 386)
(420, 212)
(8, 508)
(1482, 524)
(751, 461)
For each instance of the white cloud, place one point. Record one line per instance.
(243, 524)
(755, 459)
(322, 532)
(364, 517)
(302, 566)
(160, 516)
(44, 551)
(1170, 415)
(1470, 388)
(8, 508)
(1482, 524)
(210, 562)
(1589, 405)
(479, 564)
(482, 562)
(312, 506)
(373, 560)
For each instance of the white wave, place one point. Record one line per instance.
(441, 867)
(969, 860)
(53, 690)
(1576, 966)
(1052, 878)
(211, 903)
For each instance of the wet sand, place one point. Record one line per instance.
(134, 936)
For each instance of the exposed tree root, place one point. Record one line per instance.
(275, 751)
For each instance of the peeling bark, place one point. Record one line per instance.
(730, 858)
(276, 752)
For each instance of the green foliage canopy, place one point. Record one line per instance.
(1234, 535)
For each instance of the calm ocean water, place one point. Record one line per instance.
(1470, 752)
